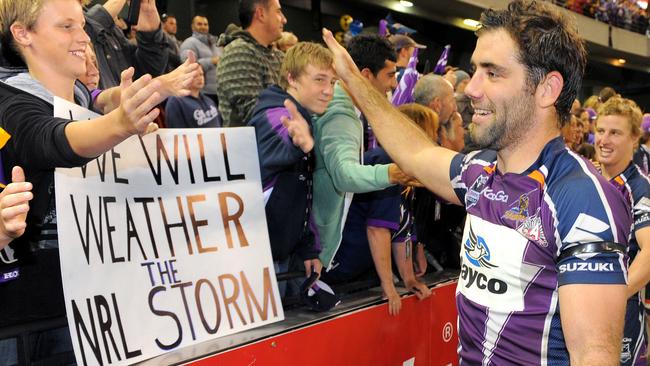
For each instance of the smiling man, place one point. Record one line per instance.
(543, 279)
(617, 130)
(342, 136)
(285, 152)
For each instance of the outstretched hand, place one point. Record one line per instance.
(343, 63)
(14, 204)
(148, 20)
(177, 82)
(138, 100)
(297, 128)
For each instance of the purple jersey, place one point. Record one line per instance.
(635, 187)
(517, 227)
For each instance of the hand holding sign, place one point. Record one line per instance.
(298, 128)
(137, 101)
(14, 204)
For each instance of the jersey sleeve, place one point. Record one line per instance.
(589, 210)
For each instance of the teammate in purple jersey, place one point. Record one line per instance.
(546, 234)
(617, 130)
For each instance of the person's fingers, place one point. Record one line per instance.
(307, 268)
(293, 110)
(191, 57)
(17, 187)
(126, 79)
(17, 174)
(9, 213)
(15, 199)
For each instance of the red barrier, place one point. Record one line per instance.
(424, 333)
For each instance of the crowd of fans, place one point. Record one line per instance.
(626, 14)
(336, 205)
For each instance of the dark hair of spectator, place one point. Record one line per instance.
(164, 17)
(371, 51)
(247, 11)
(586, 150)
(606, 93)
(547, 42)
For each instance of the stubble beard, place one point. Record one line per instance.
(508, 126)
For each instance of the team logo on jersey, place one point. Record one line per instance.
(626, 355)
(532, 229)
(475, 191)
(477, 251)
(520, 211)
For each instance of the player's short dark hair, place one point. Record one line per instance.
(247, 11)
(371, 51)
(547, 42)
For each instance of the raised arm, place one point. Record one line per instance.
(135, 115)
(407, 145)
(173, 84)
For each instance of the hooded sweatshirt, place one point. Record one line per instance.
(286, 178)
(245, 69)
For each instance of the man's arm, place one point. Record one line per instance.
(592, 322)
(408, 145)
(340, 145)
(135, 115)
(639, 271)
(380, 248)
(173, 84)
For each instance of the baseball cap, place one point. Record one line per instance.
(645, 124)
(317, 294)
(400, 41)
(591, 112)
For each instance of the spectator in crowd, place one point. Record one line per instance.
(580, 131)
(435, 92)
(576, 107)
(642, 154)
(173, 44)
(606, 93)
(588, 118)
(592, 102)
(249, 63)
(192, 111)
(91, 78)
(40, 142)
(205, 48)
(617, 130)
(520, 102)
(115, 53)
(287, 41)
(339, 136)
(452, 135)
(587, 151)
(570, 133)
(404, 46)
(285, 145)
(169, 26)
(379, 223)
